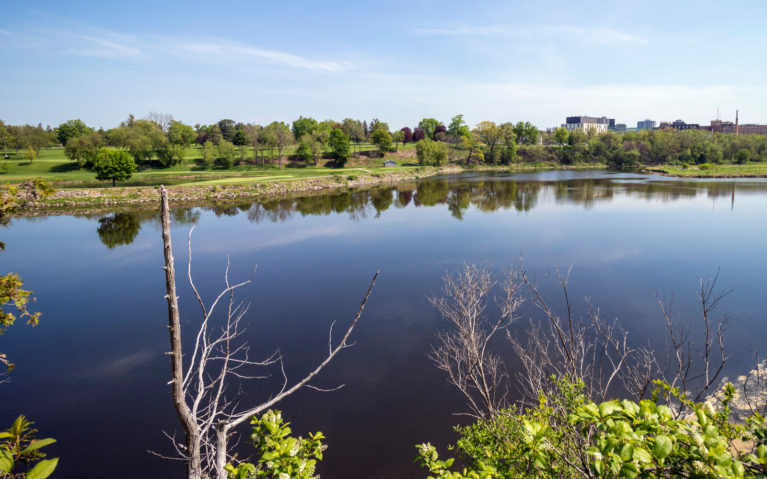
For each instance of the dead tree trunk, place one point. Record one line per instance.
(194, 466)
(201, 387)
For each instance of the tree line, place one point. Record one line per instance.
(159, 141)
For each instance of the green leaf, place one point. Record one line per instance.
(37, 444)
(641, 455)
(629, 471)
(627, 452)
(662, 447)
(6, 461)
(43, 469)
(607, 408)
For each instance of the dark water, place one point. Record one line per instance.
(94, 376)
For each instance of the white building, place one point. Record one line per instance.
(586, 123)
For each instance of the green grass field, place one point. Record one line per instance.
(716, 171)
(53, 166)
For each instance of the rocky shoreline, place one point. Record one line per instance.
(78, 201)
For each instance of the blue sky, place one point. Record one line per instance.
(258, 61)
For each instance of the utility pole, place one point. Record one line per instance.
(736, 123)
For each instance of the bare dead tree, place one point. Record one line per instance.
(462, 351)
(207, 408)
(695, 372)
(163, 120)
(583, 347)
(588, 348)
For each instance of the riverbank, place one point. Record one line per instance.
(755, 170)
(233, 190)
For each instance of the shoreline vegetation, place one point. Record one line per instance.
(232, 190)
(227, 161)
(184, 191)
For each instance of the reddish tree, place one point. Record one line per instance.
(440, 129)
(408, 135)
(418, 134)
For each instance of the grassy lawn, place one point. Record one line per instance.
(721, 171)
(53, 166)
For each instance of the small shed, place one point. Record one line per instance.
(390, 164)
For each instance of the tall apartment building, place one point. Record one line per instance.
(585, 123)
(646, 125)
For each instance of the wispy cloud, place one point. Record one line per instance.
(239, 52)
(106, 48)
(591, 35)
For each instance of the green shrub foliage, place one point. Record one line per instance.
(566, 435)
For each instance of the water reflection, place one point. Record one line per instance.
(484, 192)
(629, 237)
(121, 229)
(118, 229)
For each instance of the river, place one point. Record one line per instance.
(94, 375)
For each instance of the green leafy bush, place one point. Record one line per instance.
(566, 435)
(282, 456)
(431, 152)
(21, 454)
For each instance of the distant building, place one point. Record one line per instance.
(586, 123)
(646, 125)
(719, 126)
(389, 164)
(621, 127)
(680, 125)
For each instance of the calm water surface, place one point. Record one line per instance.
(94, 376)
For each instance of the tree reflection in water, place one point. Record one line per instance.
(118, 229)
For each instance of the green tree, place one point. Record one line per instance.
(28, 136)
(316, 141)
(207, 159)
(281, 136)
(354, 130)
(509, 143)
(115, 165)
(527, 133)
(30, 154)
(227, 128)
(339, 145)
(84, 148)
(225, 153)
(398, 137)
(144, 139)
(431, 152)
(457, 129)
(489, 133)
(382, 139)
(304, 126)
(4, 137)
(303, 151)
(180, 136)
(71, 129)
(471, 144)
(561, 135)
(742, 156)
(429, 126)
(378, 125)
